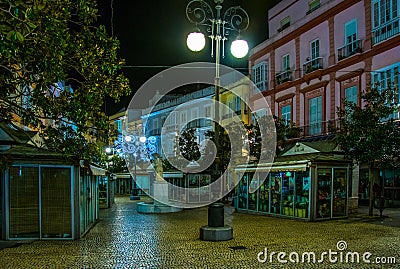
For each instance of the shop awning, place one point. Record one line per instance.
(97, 171)
(172, 175)
(295, 166)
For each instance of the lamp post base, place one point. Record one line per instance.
(208, 233)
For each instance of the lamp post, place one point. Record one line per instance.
(234, 20)
(110, 153)
(135, 142)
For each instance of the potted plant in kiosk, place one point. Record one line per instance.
(288, 208)
(301, 210)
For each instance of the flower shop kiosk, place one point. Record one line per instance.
(308, 181)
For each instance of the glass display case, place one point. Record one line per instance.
(276, 183)
(263, 201)
(287, 180)
(324, 192)
(302, 191)
(242, 191)
(310, 192)
(198, 188)
(280, 193)
(331, 193)
(339, 192)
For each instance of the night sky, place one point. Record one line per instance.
(153, 36)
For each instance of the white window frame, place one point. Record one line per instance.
(346, 35)
(285, 62)
(380, 78)
(314, 54)
(286, 115)
(381, 12)
(260, 75)
(315, 125)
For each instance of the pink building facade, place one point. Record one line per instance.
(321, 52)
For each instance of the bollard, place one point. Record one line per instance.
(216, 215)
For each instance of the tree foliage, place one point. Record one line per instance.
(256, 140)
(188, 145)
(368, 134)
(57, 65)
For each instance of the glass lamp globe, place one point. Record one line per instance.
(196, 41)
(142, 139)
(239, 48)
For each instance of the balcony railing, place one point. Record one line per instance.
(283, 77)
(350, 49)
(198, 123)
(386, 31)
(319, 128)
(312, 65)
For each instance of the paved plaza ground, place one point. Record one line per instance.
(125, 239)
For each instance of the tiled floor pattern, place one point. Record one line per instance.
(126, 239)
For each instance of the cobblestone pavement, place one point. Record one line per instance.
(126, 239)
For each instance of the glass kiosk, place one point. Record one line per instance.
(312, 189)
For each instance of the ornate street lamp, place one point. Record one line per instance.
(234, 20)
(218, 27)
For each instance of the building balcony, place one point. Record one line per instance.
(319, 128)
(350, 49)
(283, 77)
(312, 65)
(198, 123)
(386, 31)
(172, 127)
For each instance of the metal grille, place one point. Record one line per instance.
(24, 202)
(56, 202)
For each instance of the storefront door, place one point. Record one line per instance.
(339, 194)
(331, 192)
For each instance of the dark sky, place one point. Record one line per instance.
(153, 35)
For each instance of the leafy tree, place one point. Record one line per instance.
(223, 152)
(283, 131)
(255, 139)
(116, 164)
(367, 134)
(57, 65)
(188, 145)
